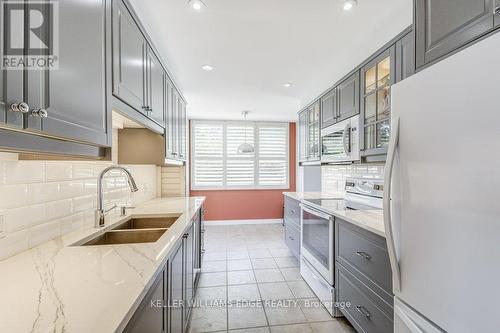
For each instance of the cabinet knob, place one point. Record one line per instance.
(40, 113)
(20, 107)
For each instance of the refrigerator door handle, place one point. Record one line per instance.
(389, 232)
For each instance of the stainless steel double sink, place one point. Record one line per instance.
(136, 230)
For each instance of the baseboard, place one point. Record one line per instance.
(242, 222)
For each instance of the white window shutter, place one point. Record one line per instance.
(217, 164)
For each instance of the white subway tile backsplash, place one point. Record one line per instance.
(13, 243)
(333, 177)
(43, 233)
(42, 200)
(24, 217)
(13, 196)
(72, 189)
(58, 209)
(23, 172)
(83, 170)
(58, 171)
(43, 192)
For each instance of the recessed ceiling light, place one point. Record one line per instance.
(197, 5)
(349, 4)
(208, 68)
(287, 85)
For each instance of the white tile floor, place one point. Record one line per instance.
(250, 282)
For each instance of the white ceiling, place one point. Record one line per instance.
(257, 45)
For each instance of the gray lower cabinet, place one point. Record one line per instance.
(155, 80)
(363, 278)
(442, 27)
(291, 219)
(149, 316)
(364, 309)
(167, 305)
(292, 210)
(189, 277)
(129, 51)
(348, 97)
(292, 238)
(329, 108)
(176, 282)
(53, 107)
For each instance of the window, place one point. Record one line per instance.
(217, 164)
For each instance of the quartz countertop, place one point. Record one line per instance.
(314, 195)
(58, 287)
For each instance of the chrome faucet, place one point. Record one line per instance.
(100, 212)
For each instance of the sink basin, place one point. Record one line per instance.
(127, 236)
(148, 223)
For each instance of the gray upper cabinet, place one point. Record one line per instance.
(405, 56)
(65, 110)
(444, 26)
(377, 76)
(348, 97)
(155, 78)
(302, 136)
(51, 106)
(129, 50)
(148, 318)
(314, 132)
(329, 108)
(176, 125)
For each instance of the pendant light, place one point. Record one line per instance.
(246, 148)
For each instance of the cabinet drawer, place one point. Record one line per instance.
(292, 239)
(366, 254)
(366, 312)
(292, 210)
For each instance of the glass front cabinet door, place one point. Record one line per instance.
(377, 77)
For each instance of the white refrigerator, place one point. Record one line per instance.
(442, 187)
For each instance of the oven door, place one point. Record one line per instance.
(339, 142)
(317, 241)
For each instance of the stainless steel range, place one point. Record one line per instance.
(317, 265)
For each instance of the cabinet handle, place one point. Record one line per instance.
(364, 255)
(20, 107)
(185, 236)
(496, 10)
(40, 113)
(293, 211)
(291, 238)
(363, 311)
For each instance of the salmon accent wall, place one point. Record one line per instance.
(250, 204)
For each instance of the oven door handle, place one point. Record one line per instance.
(346, 135)
(315, 212)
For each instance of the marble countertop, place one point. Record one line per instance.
(314, 195)
(371, 220)
(57, 287)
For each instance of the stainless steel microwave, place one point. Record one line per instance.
(340, 142)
